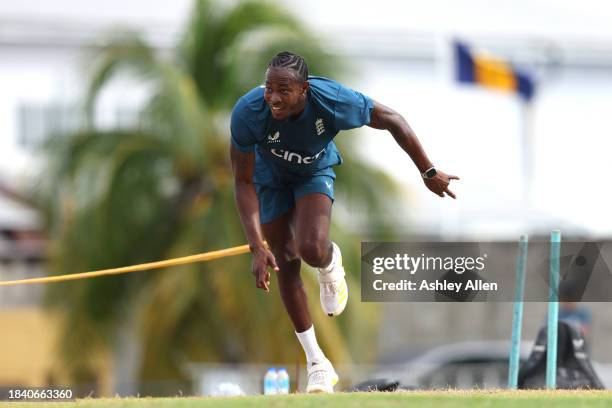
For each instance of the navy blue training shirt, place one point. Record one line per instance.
(289, 150)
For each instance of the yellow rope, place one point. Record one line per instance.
(206, 256)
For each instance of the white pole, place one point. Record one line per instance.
(527, 152)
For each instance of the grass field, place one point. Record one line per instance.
(413, 399)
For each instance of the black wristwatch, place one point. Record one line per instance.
(429, 173)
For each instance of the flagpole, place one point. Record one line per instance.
(493, 73)
(526, 119)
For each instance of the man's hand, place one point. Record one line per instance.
(439, 184)
(262, 259)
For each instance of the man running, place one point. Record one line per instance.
(282, 154)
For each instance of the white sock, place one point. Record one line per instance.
(308, 340)
(332, 263)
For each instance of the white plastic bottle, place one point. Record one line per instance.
(283, 381)
(270, 382)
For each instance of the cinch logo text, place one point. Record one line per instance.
(294, 157)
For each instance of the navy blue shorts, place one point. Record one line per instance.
(274, 202)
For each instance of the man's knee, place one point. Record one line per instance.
(285, 253)
(315, 252)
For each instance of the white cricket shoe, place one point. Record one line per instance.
(333, 288)
(321, 377)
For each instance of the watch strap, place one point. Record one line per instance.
(429, 173)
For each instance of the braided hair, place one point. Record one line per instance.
(294, 62)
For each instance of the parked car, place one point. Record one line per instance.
(465, 365)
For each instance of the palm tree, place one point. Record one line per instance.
(163, 188)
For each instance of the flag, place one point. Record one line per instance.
(491, 72)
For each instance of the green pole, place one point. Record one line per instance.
(553, 311)
(517, 314)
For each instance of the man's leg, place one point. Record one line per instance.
(313, 216)
(281, 239)
(312, 219)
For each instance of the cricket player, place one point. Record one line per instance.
(282, 155)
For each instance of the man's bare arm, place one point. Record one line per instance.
(383, 117)
(243, 166)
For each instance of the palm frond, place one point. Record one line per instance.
(209, 47)
(125, 52)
